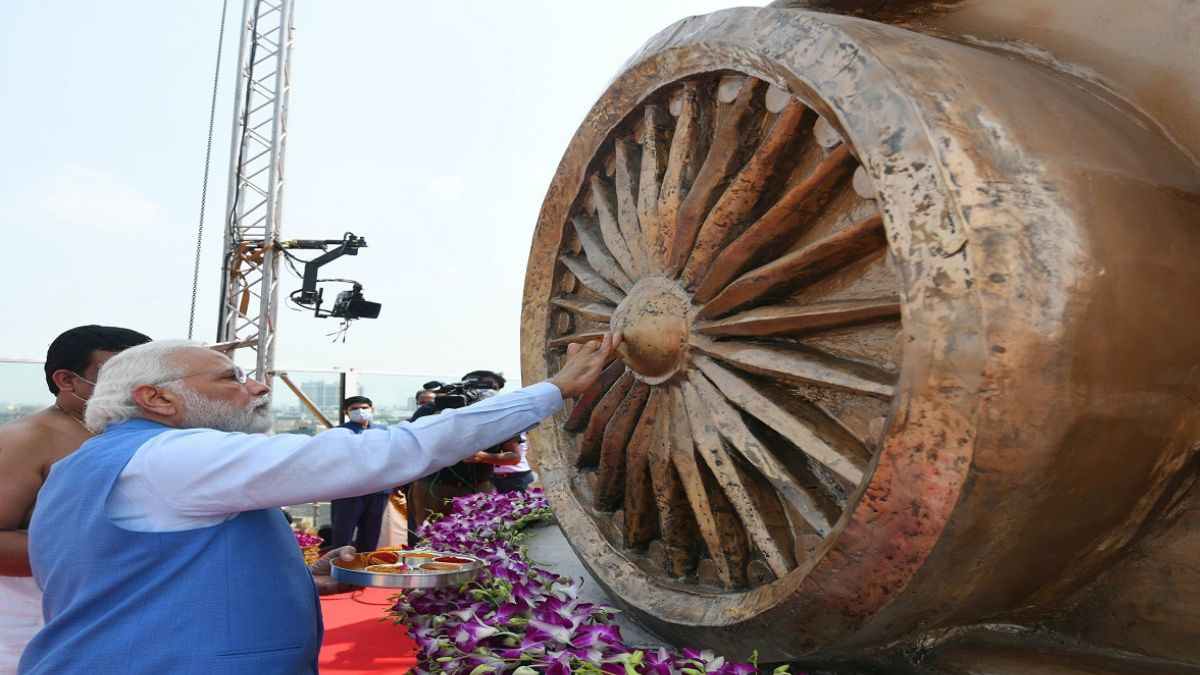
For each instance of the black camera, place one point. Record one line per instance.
(448, 396)
(458, 394)
(352, 305)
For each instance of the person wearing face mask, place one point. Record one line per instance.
(358, 520)
(28, 447)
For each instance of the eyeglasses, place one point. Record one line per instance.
(235, 373)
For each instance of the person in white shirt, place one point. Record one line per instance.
(204, 462)
(218, 418)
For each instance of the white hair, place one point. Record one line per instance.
(149, 363)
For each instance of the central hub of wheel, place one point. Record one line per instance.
(653, 322)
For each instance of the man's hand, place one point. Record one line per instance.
(583, 365)
(321, 570)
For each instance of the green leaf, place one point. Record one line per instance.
(482, 668)
(524, 670)
(781, 670)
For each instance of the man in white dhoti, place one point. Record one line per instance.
(28, 447)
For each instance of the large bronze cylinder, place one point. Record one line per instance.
(981, 320)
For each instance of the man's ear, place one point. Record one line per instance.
(63, 379)
(156, 401)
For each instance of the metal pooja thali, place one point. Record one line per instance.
(408, 569)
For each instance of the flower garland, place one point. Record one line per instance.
(305, 540)
(519, 619)
(310, 546)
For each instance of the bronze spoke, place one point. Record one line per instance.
(581, 411)
(777, 223)
(847, 465)
(676, 523)
(628, 177)
(610, 471)
(597, 253)
(688, 148)
(729, 424)
(593, 434)
(712, 450)
(655, 152)
(734, 121)
(799, 366)
(683, 456)
(605, 202)
(743, 193)
(588, 277)
(641, 522)
(593, 311)
(806, 264)
(788, 319)
(587, 336)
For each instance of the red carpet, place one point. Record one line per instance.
(358, 637)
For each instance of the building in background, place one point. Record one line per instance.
(325, 394)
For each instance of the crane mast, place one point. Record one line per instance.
(254, 207)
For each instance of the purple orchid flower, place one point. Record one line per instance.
(535, 636)
(468, 635)
(560, 634)
(587, 636)
(458, 631)
(561, 666)
(469, 612)
(504, 613)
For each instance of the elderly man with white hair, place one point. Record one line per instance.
(159, 544)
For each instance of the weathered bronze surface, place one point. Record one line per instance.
(910, 355)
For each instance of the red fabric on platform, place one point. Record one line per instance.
(358, 641)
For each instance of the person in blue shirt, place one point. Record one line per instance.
(357, 520)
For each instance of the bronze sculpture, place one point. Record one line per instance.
(909, 364)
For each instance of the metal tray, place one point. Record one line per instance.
(423, 579)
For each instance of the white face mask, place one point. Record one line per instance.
(360, 415)
(82, 399)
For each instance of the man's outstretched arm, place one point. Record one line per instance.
(189, 477)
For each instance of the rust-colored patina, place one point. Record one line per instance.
(910, 359)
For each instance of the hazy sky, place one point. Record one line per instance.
(431, 128)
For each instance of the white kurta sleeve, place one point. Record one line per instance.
(189, 478)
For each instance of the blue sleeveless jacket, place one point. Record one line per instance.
(232, 598)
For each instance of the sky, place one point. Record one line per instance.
(430, 128)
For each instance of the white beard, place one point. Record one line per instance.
(205, 413)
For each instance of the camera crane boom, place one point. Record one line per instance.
(249, 303)
(349, 305)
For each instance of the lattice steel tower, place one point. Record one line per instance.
(254, 208)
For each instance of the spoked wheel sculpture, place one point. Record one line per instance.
(738, 340)
(833, 327)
